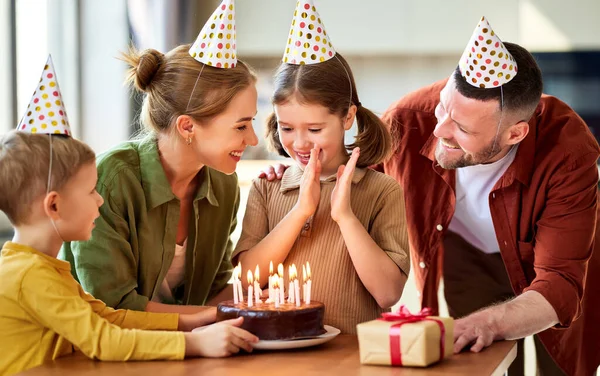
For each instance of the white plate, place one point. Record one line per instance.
(298, 343)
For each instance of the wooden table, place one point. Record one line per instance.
(337, 357)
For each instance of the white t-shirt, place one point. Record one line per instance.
(472, 218)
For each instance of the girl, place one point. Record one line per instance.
(329, 209)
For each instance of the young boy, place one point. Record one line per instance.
(44, 312)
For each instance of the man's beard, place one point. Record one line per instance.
(489, 152)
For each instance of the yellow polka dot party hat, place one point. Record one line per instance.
(215, 45)
(46, 112)
(486, 63)
(308, 42)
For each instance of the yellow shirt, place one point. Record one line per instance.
(45, 314)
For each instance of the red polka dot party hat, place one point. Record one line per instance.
(46, 112)
(486, 63)
(308, 42)
(215, 45)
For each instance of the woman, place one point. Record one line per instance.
(171, 198)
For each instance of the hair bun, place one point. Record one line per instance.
(148, 65)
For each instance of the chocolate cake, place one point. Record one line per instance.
(270, 323)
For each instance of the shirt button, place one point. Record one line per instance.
(422, 265)
(493, 195)
(439, 227)
(306, 226)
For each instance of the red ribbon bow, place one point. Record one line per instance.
(405, 317)
(404, 314)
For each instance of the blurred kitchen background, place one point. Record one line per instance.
(393, 47)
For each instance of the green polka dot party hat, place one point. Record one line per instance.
(215, 45)
(46, 112)
(308, 42)
(486, 63)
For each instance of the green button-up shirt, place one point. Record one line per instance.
(133, 244)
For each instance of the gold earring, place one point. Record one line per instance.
(189, 141)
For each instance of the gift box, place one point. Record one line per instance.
(405, 339)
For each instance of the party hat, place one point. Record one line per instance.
(308, 42)
(45, 112)
(486, 63)
(215, 45)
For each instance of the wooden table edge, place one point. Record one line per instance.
(506, 362)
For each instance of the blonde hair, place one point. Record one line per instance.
(331, 85)
(24, 165)
(172, 87)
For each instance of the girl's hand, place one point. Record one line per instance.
(340, 197)
(310, 185)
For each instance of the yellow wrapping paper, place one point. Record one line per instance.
(419, 341)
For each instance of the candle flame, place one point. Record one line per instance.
(304, 273)
(280, 270)
(275, 283)
(271, 268)
(256, 273)
(293, 272)
(250, 279)
(307, 270)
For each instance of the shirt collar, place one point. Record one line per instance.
(293, 175)
(21, 248)
(154, 180)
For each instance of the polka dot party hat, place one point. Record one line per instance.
(215, 45)
(308, 42)
(486, 63)
(46, 112)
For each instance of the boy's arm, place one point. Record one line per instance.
(53, 301)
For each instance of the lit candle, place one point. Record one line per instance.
(291, 283)
(257, 290)
(276, 292)
(296, 287)
(250, 283)
(271, 299)
(235, 290)
(308, 283)
(281, 284)
(239, 283)
(304, 282)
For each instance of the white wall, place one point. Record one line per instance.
(105, 100)
(424, 26)
(7, 118)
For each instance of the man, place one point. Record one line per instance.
(501, 197)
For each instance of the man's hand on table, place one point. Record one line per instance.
(476, 330)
